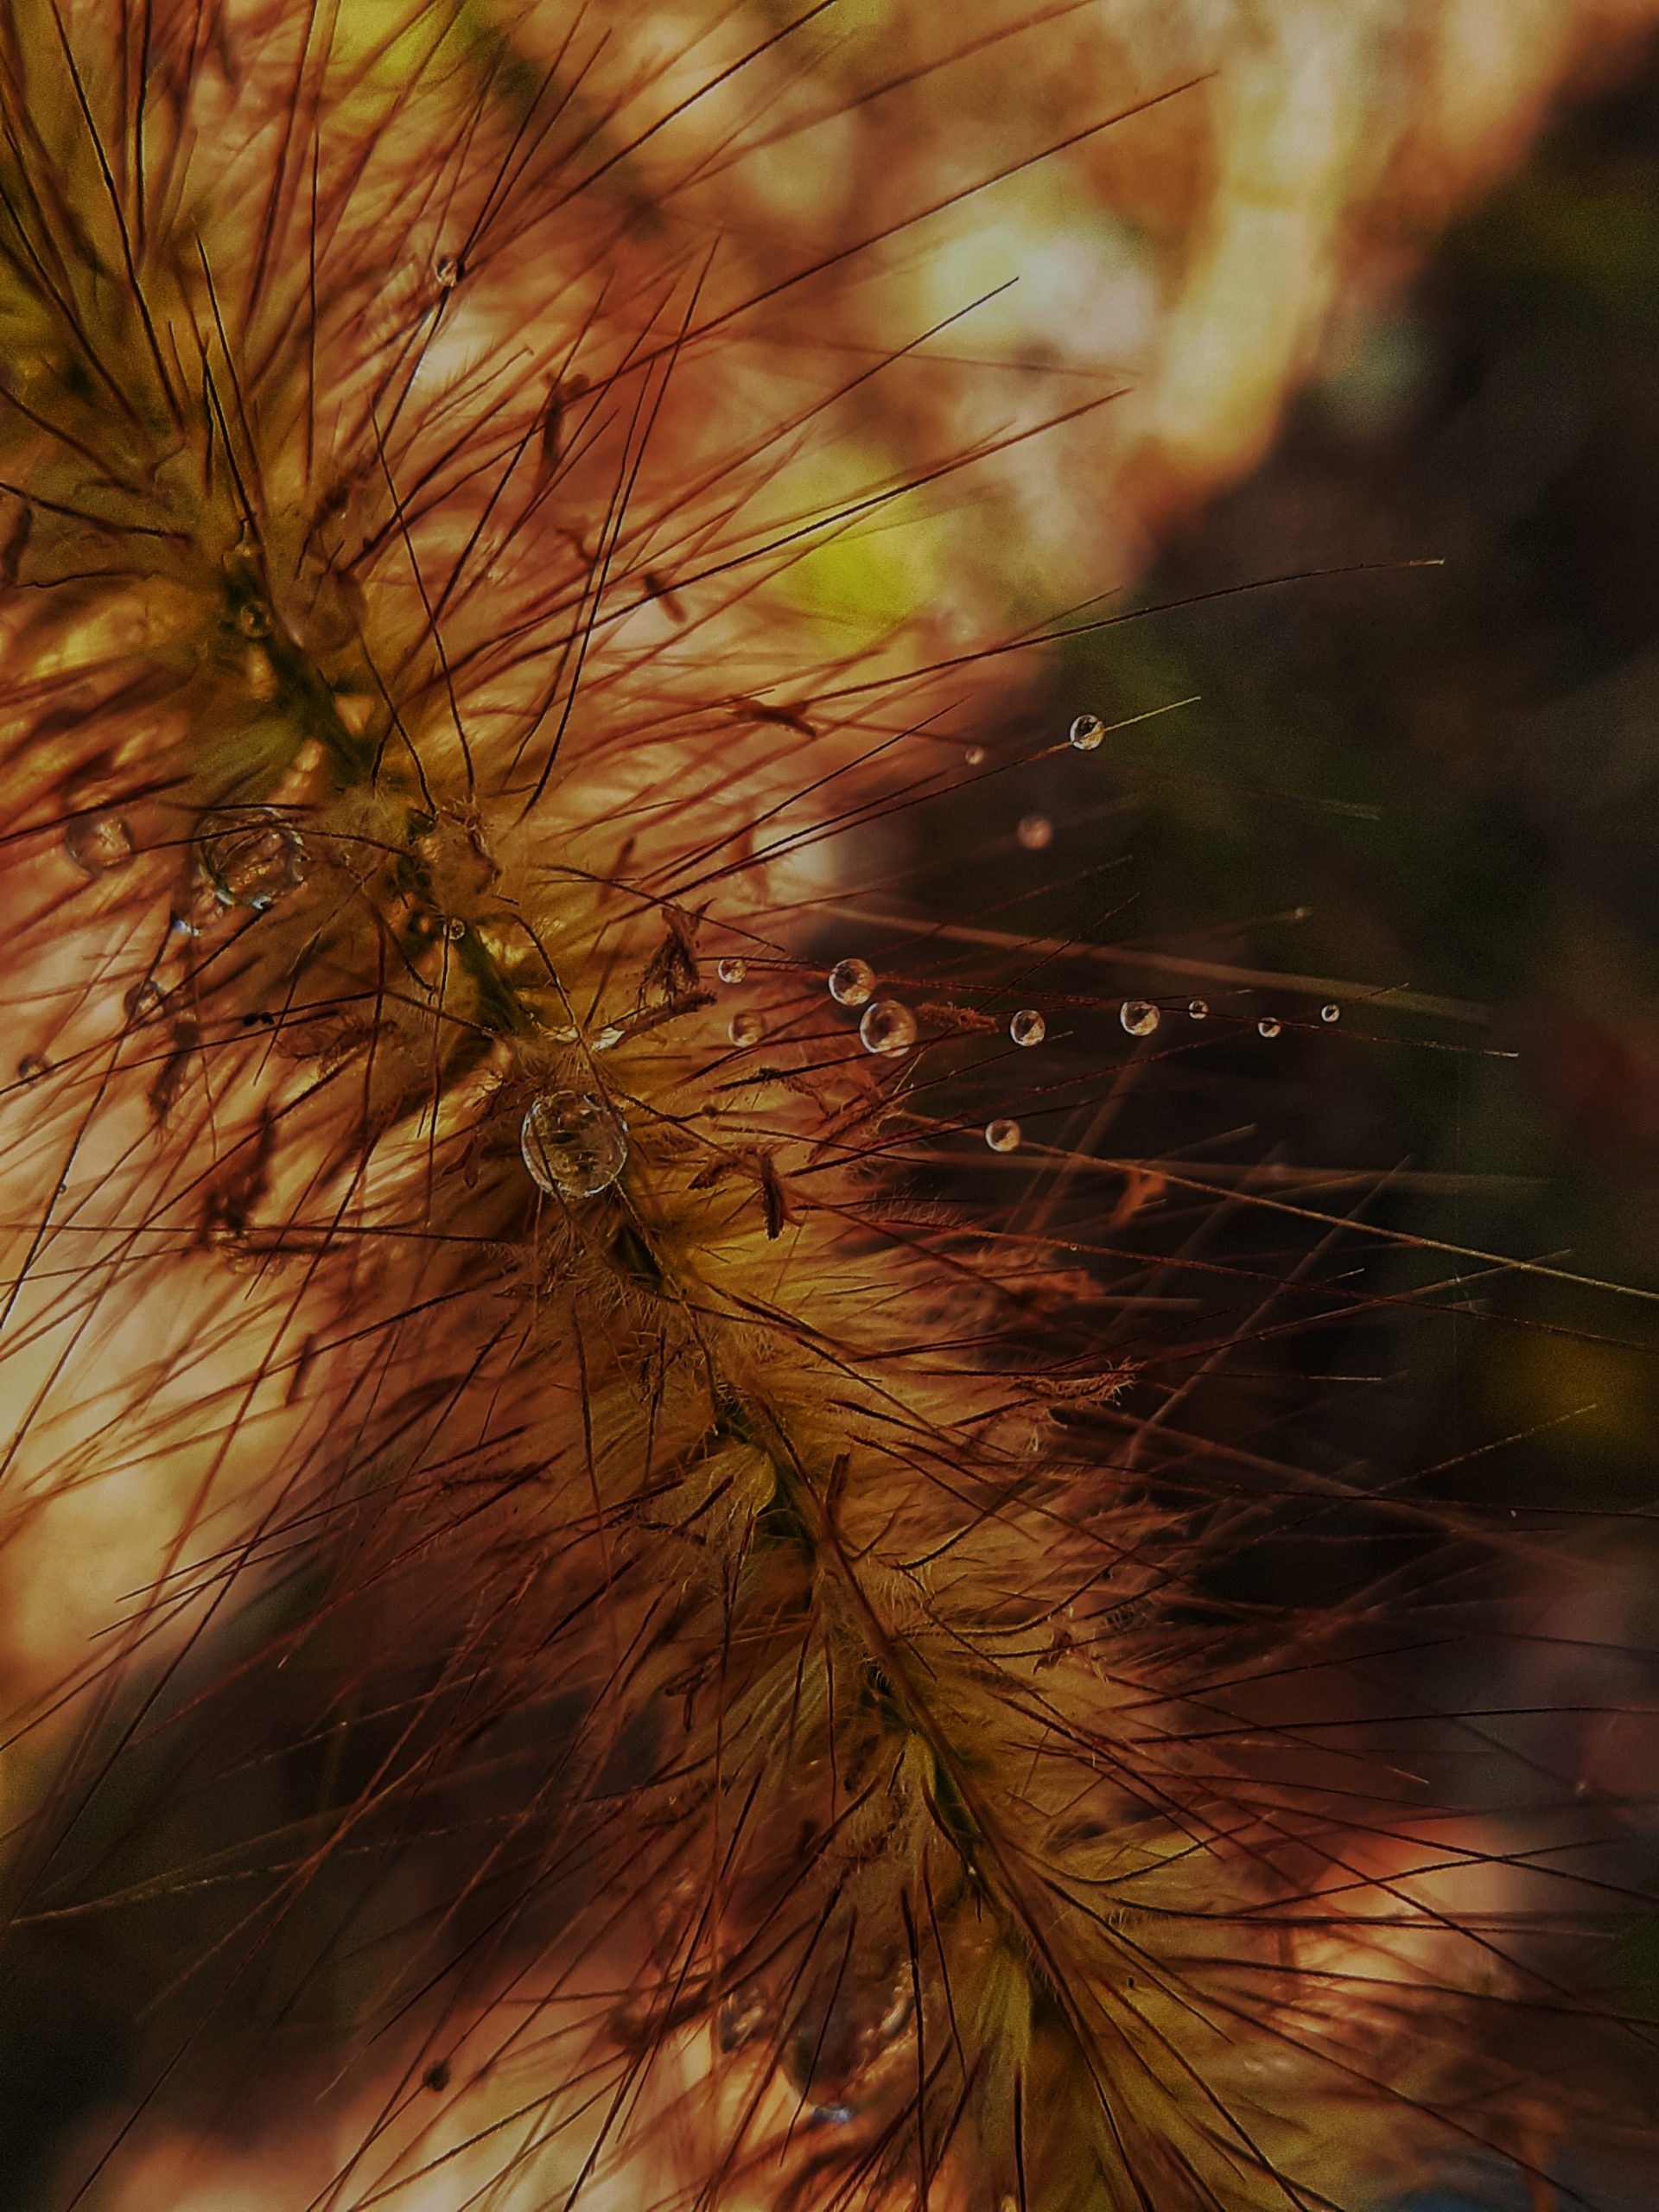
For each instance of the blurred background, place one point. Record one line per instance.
(1455, 771)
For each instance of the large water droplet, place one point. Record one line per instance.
(1198, 1010)
(731, 972)
(1087, 733)
(745, 1029)
(852, 982)
(1003, 1135)
(1035, 831)
(98, 843)
(1269, 1026)
(249, 855)
(574, 1145)
(888, 1027)
(1331, 1013)
(1027, 1026)
(1139, 1016)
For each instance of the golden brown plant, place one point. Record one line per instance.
(593, 1642)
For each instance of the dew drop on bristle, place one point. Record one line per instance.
(1003, 1135)
(745, 1029)
(1027, 1026)
(1269, 1026)
(975, 756)
(454, 928)
(741, 2017)
(888, 1027)
(1198, 1010)
(852, 982)
(98, 843)
(574, 1145)
(1139, 1017)
(1331, 1013)
(1035, 832)
(250, 856)
(1087, 733)
(731, 972)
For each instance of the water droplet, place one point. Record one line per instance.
(1027, 1026)
(253, 618)
(975, 756)
(852, 982)
(1003, 1135)
(1198, 1010)
(32, 1067)
(1139, 1016)
(143, 1001)
(454, 928)
(1331, 1013)
(574, 1145)
(249, 855)
(1269, 1026)
(888, 1027)
(1035, 831)
(446, 269)
(745, 1029)
(1087, 733)
(98, 843)
(731, 972)
(741, 2017)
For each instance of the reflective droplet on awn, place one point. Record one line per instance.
(1198, 1010)
(1087, 733)
(852, 982)
(888, 1027)
(745, 1029)
(731, 972)
(249, 855)
(1027, 1026)
(1331, 1013)
(575, 1144)
(1003, 1135)
(1139, 1017)
(98, 843)
(1269, 1026)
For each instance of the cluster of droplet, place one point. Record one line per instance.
(886, 1025)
